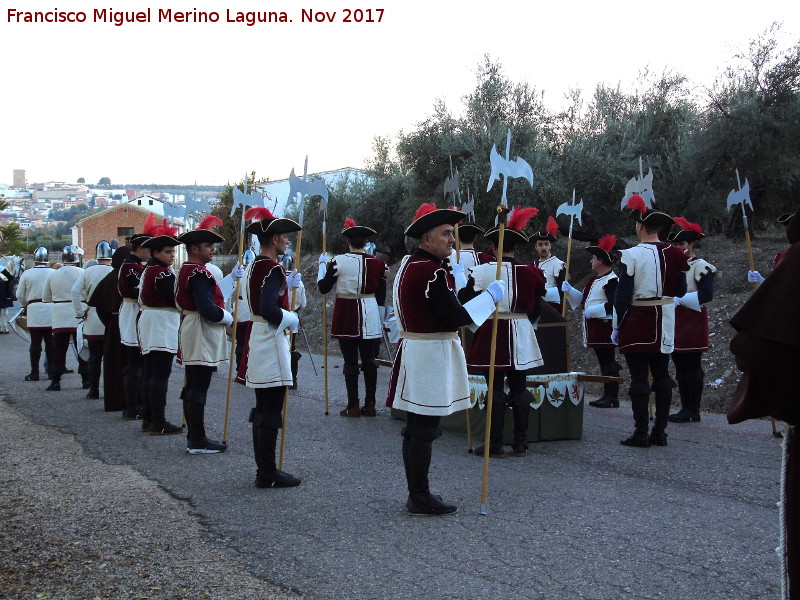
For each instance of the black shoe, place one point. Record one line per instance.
(93, 395)
(55, 386)
(684, 416)
(494, 451)
(146, 425)
(277, 479)
(434, 507)
(126, 416)
(207, 447)
(518, 449)
(606, 402)
(166, 428)
(594, 402)
(658, 438)
(32, 377)
(86, 385)
(637, 440)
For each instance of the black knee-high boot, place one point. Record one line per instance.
(351, 375)
(265, 439)
(521, 406)
(420, 500)
(370, 385)
(640, 398)
(36, 355)
(610, 397)
(662, 388)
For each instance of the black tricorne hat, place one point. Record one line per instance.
(689, 232)
(428, 217)
(160, 235)
(353, 230)
(203, 232)
(267, 223)
(517, 221)
(641, 214)
(549, 234)
(472, 226)
(785, 218)
(603, 248)
(137, 239)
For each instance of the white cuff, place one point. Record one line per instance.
(461, 281)
(321, 272)
(480, 308)
(574, 297)
(551, 295)
(691, 300)
(227, 318)
(596, 311)
(289, 320)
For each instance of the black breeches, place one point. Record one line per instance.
(40, 335)
(605, 356)
(640, 364)
(158, 366)
(270, 400)
(198, 377)
(352, 348)
(687, 361)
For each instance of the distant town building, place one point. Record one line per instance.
(19, 178)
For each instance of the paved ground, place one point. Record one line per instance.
(575, 519)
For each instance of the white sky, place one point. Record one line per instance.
(178, 103)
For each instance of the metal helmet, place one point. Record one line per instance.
(369, 248)
(287, 262)
(249, 256)
(69, 254)
(40, 255)
(103, 250)
(90, 263)
(114, 245)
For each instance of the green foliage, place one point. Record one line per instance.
(11, 241)
(81, 180)
(104, 181)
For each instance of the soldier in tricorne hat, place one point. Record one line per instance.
(128, 283)
(429, 375)
(517, 350)
(267, 364)
(691, 322)
(597, 299)
(550, 264)
(468, 255)
(785, 219)
(202, 341)
(40, 314)
(651, 274)
(157, 328)
(359, 282)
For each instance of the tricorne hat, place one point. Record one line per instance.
(160, 235)
(550, 233)
(641, 214)
(689, 232)
(353, 230)
(603, 248)
(203, 232)
(516, 223)
(428, 217)
(265, 223)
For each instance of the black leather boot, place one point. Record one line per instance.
(662, 389)
(265, 438)
(351, 374)
(158, 403)
(296, 356)
(420, 500)
(36, 355)
(370, 385)
(610, 398)
(640, 398)
(94, 369)
(520, 407)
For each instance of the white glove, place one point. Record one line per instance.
(497, 289)
(755, 277)
(574, 296)
(566, 287)
(458, 274)
(597, 311)
(677, 301)
(293, 279)
(323, 258)
(227, 318)
(615, 337)
(291, 321)
(238, 271)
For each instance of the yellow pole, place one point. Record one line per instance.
(325, 327)
(566, 276)
(502, 211)
(232, 358)
(291, 339)
(464, 348)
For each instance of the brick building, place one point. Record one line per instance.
(114, 223)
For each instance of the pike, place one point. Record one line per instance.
(242, 198)
(323, 208)
(308, 347)
(508, 168)
(452, 186)
(302, 188)
(640, 185)
(575, 211)
(173, 211)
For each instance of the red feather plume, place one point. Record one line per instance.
(607, 242)
(424, 210)
(150, 225)
(209, 222)
(348, 222)
(167, 230)
(684, 224)
(636, 202)
(552, 226)
(258, 213)
(520, 218)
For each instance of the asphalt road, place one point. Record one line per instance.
(573, 519)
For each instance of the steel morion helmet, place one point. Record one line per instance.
(40, 255)
(103, 250)
(69, 254)
(249, 256)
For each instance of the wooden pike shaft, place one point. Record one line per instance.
(749, 251)
(325, 328)
(291, 341)
(232, 358)
(566, 274)
(463, 347)
(501, 211)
